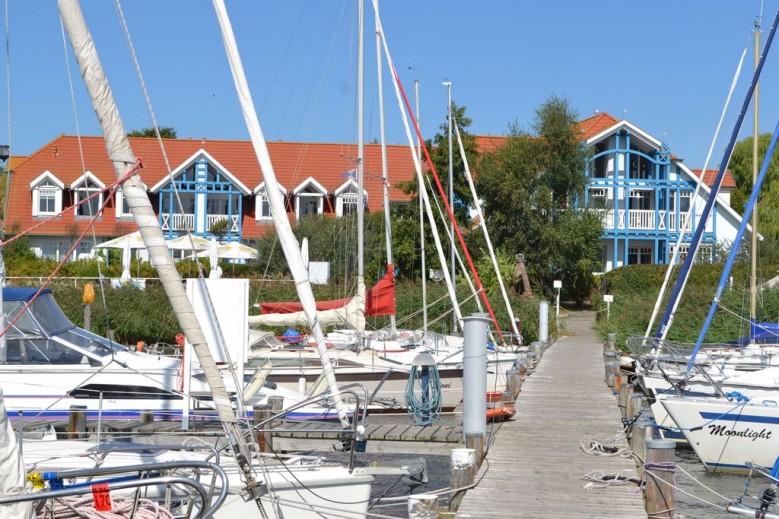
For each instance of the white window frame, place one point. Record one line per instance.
(46, 183)
(598, 192)
(261, 200)
(347, 192)
(310, 188)
(120, 200)
(80, 193)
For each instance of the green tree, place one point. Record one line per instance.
(529, 188)
(768, 201)
(439, 155)
(166, 132)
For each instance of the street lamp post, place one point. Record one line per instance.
(448, 85)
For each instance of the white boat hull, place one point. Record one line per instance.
(727, 434)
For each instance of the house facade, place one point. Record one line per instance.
(645, 192)
(213, 188)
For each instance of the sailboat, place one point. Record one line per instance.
(735, 427)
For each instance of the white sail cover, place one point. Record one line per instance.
(13, 479)
(351, 315)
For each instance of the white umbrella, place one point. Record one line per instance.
(133, 239)
(214, 260)
(232, 250)
(187, 242)
(126, 258)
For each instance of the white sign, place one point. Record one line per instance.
(557, 284)
(608, 298)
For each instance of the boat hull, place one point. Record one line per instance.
(726, 435)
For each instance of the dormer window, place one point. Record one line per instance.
(46, 195)
(121, 205)
(84, 187)
(309, 198)
(262, 204)
(346, 198)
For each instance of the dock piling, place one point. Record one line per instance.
(463, 473)
(77, 422)
(659, 472)
(423, 506)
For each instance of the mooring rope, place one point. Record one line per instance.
(83, 507)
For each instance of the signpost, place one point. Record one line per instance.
(558, 285)
(608, 299)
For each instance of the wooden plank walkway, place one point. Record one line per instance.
(534, 466)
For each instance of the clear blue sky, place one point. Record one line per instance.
(665, 65)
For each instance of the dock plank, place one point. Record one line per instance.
(535, 464)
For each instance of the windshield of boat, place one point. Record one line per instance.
(45, 318)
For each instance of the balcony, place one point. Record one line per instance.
(186, 222)
(643, 220)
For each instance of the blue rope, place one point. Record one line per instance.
(426, 408)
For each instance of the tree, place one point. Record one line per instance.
(166, 132)
(439, 155)
(529, 188)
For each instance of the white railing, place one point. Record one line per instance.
(234, 219)
(683, 218)
(183, 222)
(642, 219)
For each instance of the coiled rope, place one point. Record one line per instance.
(425, 408)
(82, 507)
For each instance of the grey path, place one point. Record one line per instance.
(534, 467)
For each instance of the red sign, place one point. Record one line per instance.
(101, 497)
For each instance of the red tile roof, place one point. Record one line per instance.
(594, 125)
(727, 183)
(489, 143)
(293, 163)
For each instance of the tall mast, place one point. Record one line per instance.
(422, 265)
(360, 170)
(755, 166)
(287, 240)
(121, 155)
(448, 85)
(384, 174)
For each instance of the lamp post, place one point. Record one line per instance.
(448, 85)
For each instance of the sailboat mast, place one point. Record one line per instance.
(423, 265)
(360, 168)
(121, 155)
(287, 240)
(384, 173)
(755, 166)
(448, 85)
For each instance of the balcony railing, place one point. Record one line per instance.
(643, 219)
(186, 222)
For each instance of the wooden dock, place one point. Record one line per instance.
(535, 464)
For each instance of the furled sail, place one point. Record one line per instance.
(379, 300)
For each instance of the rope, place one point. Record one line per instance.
(82, 507)
(427, 408)
(600, 479)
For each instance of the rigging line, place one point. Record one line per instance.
(150, 109)
(440, 187)
(84, 170)
(109, 187)
(686, 229)
(8, 108)
(56, 269)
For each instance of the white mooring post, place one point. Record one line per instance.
(475, 330)
(543, 321)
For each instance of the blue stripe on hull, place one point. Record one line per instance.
(739, 417)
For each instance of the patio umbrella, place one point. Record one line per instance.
(186, 242)
(213, 259)
(133, 239)
(232, 250)
(126, 258)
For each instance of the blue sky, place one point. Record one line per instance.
(664, 65)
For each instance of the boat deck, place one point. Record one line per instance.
(535, 464)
